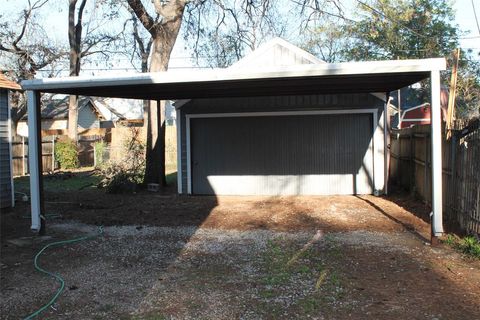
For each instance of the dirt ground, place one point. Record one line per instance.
(164, 256)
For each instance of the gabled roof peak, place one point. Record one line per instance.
(276, 52)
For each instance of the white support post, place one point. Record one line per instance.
(386, 141)
(178, 122)
(33, 157)
(436, 142)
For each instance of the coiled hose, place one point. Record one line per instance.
(53, 275)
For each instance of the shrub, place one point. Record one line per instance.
(124, 176)
(66, 154)
(100, 148)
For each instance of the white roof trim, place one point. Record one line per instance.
(218, 75)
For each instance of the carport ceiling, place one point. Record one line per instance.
(354, 77)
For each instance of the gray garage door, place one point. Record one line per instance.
(282, 155)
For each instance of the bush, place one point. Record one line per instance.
(66, 154)
(124, 176)
(100, 147)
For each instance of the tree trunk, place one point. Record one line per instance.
(155, 154)
(164, 35)
(155, 157)
(146, 103)
(73, 100)
(73, 118)
(75, 39)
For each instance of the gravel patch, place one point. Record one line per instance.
(190, 273)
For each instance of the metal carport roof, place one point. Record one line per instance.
(352, 77)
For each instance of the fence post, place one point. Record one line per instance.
(94, 155)
(23, 156)
(413, 165)
(53, 153)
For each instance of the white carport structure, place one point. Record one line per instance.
(355, 77)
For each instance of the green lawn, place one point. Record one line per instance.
(52, 183)
(75, 182)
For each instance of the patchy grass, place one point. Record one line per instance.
(469, 245)
(71, 181)
(60, 182)
(286, 264)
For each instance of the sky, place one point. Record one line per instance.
(56, 21)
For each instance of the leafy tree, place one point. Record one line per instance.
(327, 40)
(390, 29)
(413, 29)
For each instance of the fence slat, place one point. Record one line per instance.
(411, 169)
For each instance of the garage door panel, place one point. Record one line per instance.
(275, 155)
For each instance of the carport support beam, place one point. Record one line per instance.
(35, 161)
(436, 143)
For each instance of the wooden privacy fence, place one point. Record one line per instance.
(410, 167)
(20, 153)
(115, 151)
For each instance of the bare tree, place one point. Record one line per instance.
(164, 32)
(247, 18)
(29, 50)
(95, 42)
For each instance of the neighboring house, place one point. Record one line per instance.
(93, 113)
(419, 114)
(6, 181)
(315, 144)
(54, 115)
(170, 113)
(120, 112)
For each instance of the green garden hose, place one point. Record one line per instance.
(56, 276)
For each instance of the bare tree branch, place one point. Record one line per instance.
(143, 16)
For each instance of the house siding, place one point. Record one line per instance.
(272, 104)
(87, 118)
(5, 172)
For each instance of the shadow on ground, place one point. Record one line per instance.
(165, 256)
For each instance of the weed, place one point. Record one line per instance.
(278, 277)
(267, 294)
(469, 245)
(304, 269)
(309, 305)
(450, 240)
